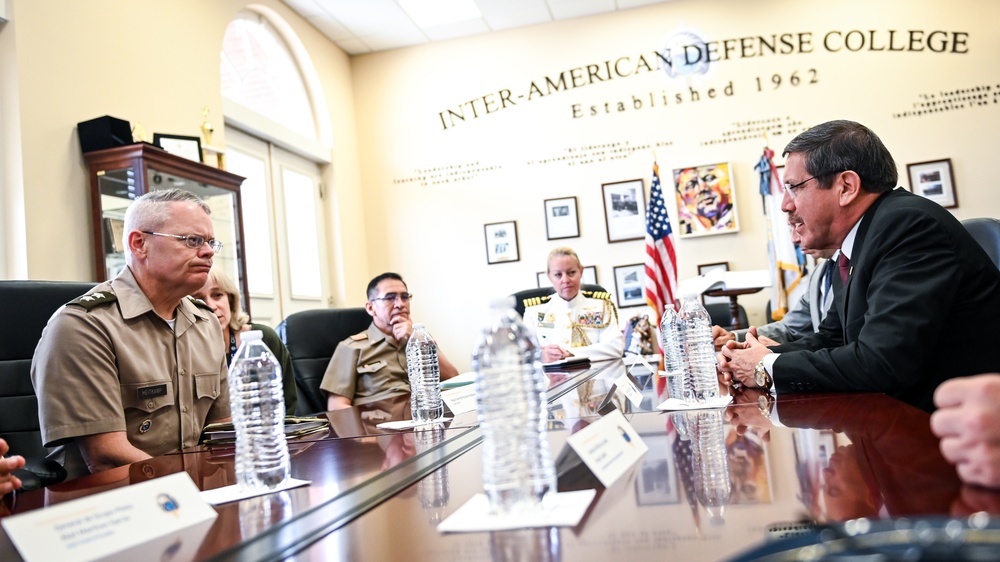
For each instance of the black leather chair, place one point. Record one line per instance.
(311, 336)
(520, 296)
(719, 311)
(986, 231)
(27, 307)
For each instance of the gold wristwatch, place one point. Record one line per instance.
(761, 377)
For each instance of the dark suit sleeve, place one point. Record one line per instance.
(904, 282)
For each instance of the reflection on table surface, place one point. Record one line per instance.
(714, 482)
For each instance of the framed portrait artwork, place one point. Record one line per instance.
(501, 242)
(629, 281)
(589, 277)
(624, 210)
(706, 200)
(561, 220)
(188, 147)
(934, 180)
(749, 467)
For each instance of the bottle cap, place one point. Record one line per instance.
(418, 326)
(251, 335)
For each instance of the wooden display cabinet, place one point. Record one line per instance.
(119, 175)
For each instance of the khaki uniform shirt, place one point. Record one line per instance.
(107, 362)
(366, 367)
(584, 326)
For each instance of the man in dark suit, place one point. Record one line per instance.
(913, 280)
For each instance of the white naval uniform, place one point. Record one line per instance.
(552, 322)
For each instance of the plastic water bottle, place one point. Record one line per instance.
(424, 373)
(672, 359)
(510, 396)
(713, 484)
(695, 339)
(257, 404)
(433, 490)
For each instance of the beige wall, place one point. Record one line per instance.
(156, 62)
(433, 234)
(149, 61)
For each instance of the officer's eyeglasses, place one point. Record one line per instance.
(790, 188)
(391, 297)
(191, 240)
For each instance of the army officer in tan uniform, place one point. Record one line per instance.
(135, 368)
(371, 365)
(570, 323)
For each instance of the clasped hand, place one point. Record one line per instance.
(737, 360)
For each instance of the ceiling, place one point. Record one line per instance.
(366, 26)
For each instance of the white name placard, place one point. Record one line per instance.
(609, 447)
(460, 400)
(630, 388)
(102, 524)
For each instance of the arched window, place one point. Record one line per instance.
(276, 125)
(259, 72)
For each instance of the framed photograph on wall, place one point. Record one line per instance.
(705, 268)
(706, 200)
(589, 277)
(629, 282)
(561, 220)
(501, 242)
(188, 147)
(934, 180)
(624, 210)
(657, 482)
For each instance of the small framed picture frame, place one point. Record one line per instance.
(935, 181)
(561, 219)
(629, 283)
(187, 147)
(656, 483)
(501, 242)
(624, 210)
(705, 268)
(114, 236)
(589, 277)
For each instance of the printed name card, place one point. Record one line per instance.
(460, 400)
(630, 388)
(609, 447)
(103, 524)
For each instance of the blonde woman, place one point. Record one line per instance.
(223, 296)
(570, 322)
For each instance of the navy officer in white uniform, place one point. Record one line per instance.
(571, 323)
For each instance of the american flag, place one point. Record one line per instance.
(661, 261)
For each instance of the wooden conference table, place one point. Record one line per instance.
(378, 495)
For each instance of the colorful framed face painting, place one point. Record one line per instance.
(706, 201)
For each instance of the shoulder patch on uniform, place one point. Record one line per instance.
(359, 337)
(597, 294)
(200, 304)
(535, 301)
(93, 300)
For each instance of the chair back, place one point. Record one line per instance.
(986, 231)
(311, 337)
(521, 296)
(721, 316)
(27, 307)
